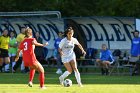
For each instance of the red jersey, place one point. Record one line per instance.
(27, 48)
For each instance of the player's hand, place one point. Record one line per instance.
(46, 44)
(16, 59)
(61, 53)
(83, 52)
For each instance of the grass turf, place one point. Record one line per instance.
(17, 83)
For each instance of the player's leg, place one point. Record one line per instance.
(66, 73)
(1, 63)
(13, 60)
(18, 63)
(41, 75)
(22, 67)
(7, 61)
(106, 67)
(77, 74)
(40, 69)
(1, 60)
(59, 67)
(7, 66)
(100, 62)
(5, 57)
(31, 76)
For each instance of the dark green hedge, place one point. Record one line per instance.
(70, 8)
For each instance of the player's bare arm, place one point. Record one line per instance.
(83, 51)
(60, 51)
(39, 44)
(17, 55)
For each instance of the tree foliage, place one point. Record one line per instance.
(69, 8)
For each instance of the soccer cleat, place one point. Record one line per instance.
(61, 80)
(7, 71)
(80, 85)
(13, 71)
(30, 84)
(43, 87)
(59, 71)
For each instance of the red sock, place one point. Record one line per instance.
(32, 72)
(41, 79)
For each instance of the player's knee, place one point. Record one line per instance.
(42, 70)
(7, 62)
(75, 69)
(97, 60)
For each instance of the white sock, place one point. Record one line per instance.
(13, 63)
(22, 66)
(65, 74)
(77, 75)
(6, 67)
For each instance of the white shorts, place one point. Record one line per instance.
(66, 59)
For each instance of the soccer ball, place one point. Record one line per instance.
(67, 83)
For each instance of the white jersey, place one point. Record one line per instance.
(67, 46)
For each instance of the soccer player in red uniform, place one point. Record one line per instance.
(27, 46)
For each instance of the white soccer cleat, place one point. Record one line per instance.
(13, 71)
(61, 80)
(30, 84)
(80, 85)
(43, 87)
(59, 71)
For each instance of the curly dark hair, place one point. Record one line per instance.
(68, 30)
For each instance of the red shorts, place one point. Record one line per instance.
(29, 64)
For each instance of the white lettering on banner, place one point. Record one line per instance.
(115, 32)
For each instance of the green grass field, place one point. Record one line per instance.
(17, 83)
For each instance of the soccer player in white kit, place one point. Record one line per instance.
(68, 57)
